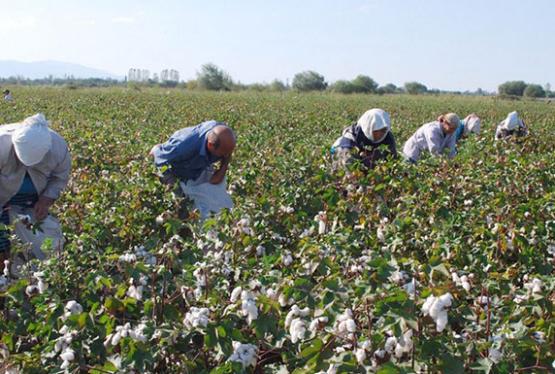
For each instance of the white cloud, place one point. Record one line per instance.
(123, 19)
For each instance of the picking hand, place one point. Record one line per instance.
(40, 210)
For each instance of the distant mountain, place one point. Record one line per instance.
(43, 69)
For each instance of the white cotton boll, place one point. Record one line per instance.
(537, 285)
(441, 321)
(235, 294)
(116, 338)
(446, 299)
(260, 251)
(390, 344)
(287, 259)
(64, 365)
(297, 330)
(31, 290)
(271, 293)
(380, 234)
(135, 292)
(495, 355)
(482, 300)
(410, 287)
(466, 286)
(360, 355)
(198, 293)
(42, 286)
(455, 278)
(7, 268)
(68, 355)
(366, 345)
(73, 307)
(351, 325)
(244, 354)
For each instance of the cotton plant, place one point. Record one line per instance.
(295, 323)
(245, 354)
(463, 281)
(362, 351)
(345, 325)
(322, 219)
(196, 318)
(124, 331)
(436, 308)
(71, 308)
(136, 291)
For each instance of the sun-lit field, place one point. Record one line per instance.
(312, 271)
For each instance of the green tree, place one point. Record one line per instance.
(278, 86)
(534, 90)
(364, 84)
(213, 78)
(342, 86)
(514, 88)
(415, 88)
(389, 88)
(309, 81)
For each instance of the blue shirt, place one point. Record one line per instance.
(460, 131)
(185, 152)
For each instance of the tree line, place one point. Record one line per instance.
(212, 78)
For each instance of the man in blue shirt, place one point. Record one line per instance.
(191, 150)
(188, 157)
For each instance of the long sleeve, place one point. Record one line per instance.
(452, 146)
(59, 178)
(174, 150)
(433, 140)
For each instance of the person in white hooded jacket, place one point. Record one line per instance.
(363, 140)
(512, 125)
(469, 125)
(434, 137)
(34, 169)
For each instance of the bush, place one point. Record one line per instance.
(213, 78)
(515, 88)
(415, 88)
(534, 90)
(309, 81)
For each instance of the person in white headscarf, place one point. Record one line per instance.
(512, 125)
(435, 137)
(35, 165)
(469, 125)
(363, 140)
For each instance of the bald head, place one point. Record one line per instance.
(221, 141)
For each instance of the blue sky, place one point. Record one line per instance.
(445, 44)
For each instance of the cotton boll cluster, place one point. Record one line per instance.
(67, 356)
(244, 354)
(345, 325)
(260, 251)
(404, 344)
(322, 220)
(147, 257)
(200, 275)
(65, 339)
(196, 317)
(380, 231)
(286, 258)
(39, 288)
(286, 209)
(248, 306)
(398, 277)
(127, 257)
(361, 351)
(436, 308)
(535, 286)
(295, 323)
(410, 287)
(72, 308)
(462, 281)
(136, 292)
(124, 331)
(317, 324)
(243, 226)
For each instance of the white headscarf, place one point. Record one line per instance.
(471, 124)
(32, 140)
(512, 122)
(374, 120)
